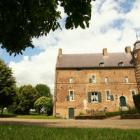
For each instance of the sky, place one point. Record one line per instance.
(113, 25)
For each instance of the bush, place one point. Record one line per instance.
(136, 99)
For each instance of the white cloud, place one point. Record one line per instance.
(41, 68)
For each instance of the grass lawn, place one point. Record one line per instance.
(35, 117)
(20, 132)
(31, 116)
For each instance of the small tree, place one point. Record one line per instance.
(43, 90)
(136, 99)
(44, 105)
(7, 86)
(26, 98)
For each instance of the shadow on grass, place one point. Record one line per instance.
(8, 115)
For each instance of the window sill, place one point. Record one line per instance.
(94, 102)
(72, 100)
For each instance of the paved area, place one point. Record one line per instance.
(107, 123)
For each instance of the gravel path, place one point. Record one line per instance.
(107, 123)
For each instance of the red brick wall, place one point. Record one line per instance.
(81, 87)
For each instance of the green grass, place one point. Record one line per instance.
(35, 117)
(20, 132)
(30, 116)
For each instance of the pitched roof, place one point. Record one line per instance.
(94, 60)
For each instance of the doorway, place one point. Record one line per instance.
(71, 113)
(123, 101)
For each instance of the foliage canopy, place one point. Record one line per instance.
(44, 105)
(27, 95)
(21, 20)
(136, 99)
(7, 86)
(43, 90)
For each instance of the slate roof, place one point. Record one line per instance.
(96, 60)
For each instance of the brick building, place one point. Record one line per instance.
(96, 82)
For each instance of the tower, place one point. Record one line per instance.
(136, 56)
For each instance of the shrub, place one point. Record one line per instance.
(136, 99)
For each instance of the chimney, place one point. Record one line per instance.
(128, 49)
(59, 52)
(105, 53)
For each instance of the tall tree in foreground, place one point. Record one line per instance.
(7, 86)
(21, 20)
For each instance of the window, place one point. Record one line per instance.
(101, 64)
(135, 55)
(71, 80)
(133, 92)
(106, 79)
(126, 79)
(109, 95)
(92, 79)
(121, 63)
(71, 95)
(94, 97)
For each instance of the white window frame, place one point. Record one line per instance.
(70, 99)
(93, 80)
(108, 95)
(126, 79)
(71, 80)
(106, 80)
(94, 96)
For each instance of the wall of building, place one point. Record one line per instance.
(81, 86)
(137, 66)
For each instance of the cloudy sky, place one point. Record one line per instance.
(113, 25)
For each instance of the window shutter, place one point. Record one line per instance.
(68, 98)
(90, 80)
(89, 97)
(99, 97)
(112, 97)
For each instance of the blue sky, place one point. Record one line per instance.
(28, 52)
(113, 25)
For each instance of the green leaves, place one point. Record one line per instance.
(27, 95)
(44, 103)
(43, 90)
(78, 11)
(7, 85)
(21, 20)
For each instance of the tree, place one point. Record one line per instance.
(43, 90)
(7, 86)
(44, 105)
(136, 99)
(21, 20)
(27, 95)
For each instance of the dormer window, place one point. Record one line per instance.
(101, 64)
(92, 79)
(121, 63)
(71, 80)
